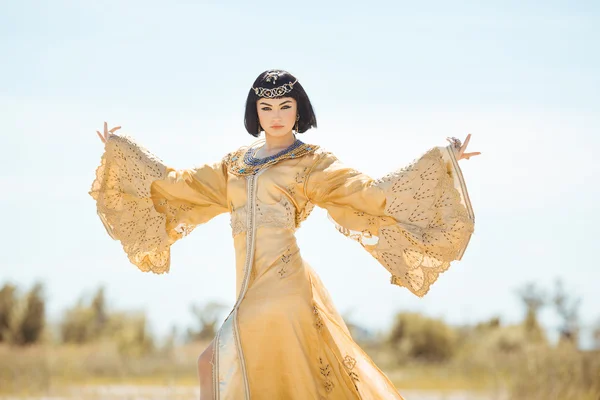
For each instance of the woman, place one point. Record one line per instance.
(284, 338)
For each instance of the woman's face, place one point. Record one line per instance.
(277, 116)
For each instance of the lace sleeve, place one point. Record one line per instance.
(147, 205)
(415, 221)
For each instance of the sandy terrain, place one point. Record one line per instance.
(124, 392)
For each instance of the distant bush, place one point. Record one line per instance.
(89, 322)
(509, 339)
(8, 300)
(416, 337)
(562, 373)
(206, 318)
(84, 323)
(131, 334)
(22, 319)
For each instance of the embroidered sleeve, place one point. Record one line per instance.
(415, 221)
(147, 205)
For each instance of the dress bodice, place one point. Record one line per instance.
(281, 201)
(282, 214)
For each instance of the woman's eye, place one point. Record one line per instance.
(269, 108)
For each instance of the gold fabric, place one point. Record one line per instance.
(284, 338)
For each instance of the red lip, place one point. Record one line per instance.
(276, 126)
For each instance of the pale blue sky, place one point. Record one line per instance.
(387, 79)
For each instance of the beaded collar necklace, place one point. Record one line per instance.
(244, 162)
(250, 158)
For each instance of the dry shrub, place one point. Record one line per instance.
(43, 368)
(416, 337)
(90, 322)
(22, 318)
(513, 363)
(8, 301)
(562, 372)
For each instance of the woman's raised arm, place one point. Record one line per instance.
(147, 205)
(415, 221)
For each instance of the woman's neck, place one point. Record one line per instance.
(274, 144)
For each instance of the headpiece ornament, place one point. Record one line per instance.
(276, 91)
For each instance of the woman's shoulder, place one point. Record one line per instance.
(240, 151)
(320, 154)
(234, 156)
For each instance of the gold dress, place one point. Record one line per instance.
(284, 339)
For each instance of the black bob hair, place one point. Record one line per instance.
(307, 115)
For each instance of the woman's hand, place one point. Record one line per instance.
(460, 152)
(104, 137)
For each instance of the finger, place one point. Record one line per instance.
(100, 136)
(114, 129)
(469, 155)
(464, 146)
(468, 138)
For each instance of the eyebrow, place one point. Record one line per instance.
(267, 104)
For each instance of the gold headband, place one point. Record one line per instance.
(274, 92)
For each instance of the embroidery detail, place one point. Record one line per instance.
(278, 215)
(283, 216)
(237, 219)
(304, 213)
(298, 180)
(318, 320)
(285, 259)
(364, 237)
(291, 189)
(349, 363)
(325, 372)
